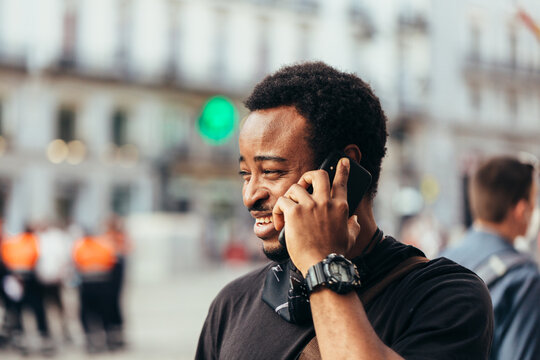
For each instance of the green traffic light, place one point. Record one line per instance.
(217, 120)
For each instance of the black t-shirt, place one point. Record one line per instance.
(438, 311)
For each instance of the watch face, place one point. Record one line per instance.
(340, 271)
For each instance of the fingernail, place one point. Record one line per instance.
(355, 218)
(345, 162)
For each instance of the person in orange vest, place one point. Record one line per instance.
(116, 235)
(94, 260)
(20, 254)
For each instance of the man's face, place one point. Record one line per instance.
(274, 153)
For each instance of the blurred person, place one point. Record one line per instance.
(94, 260)
(20, 255)
(309, 299)
(424, 232)
(117, 236)
(3, 301)
(502, 197)
(235, 252)
(53, 269)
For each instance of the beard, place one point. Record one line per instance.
(279, 254)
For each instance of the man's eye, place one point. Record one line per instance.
(273, 172)
(244, 174)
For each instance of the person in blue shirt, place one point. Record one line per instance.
(502, 197)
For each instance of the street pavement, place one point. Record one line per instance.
(163, 318)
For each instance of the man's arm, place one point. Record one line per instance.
(343, 329)
(317, 225)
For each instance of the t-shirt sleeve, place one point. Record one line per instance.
(450, 317)
(520, 335)
(207, 348)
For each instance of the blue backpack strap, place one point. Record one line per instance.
(497, 265)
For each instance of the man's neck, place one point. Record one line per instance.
(502, 229)
(368, 227)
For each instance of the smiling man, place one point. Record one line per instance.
(310, 301)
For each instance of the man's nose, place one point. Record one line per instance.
(254, 192)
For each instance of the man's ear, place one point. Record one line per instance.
(520, 209)
(353, 151)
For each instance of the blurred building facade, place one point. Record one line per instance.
(99, 100)
(483, 98)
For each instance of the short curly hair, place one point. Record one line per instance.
(498, 185)
(340, 108)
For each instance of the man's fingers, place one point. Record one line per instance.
(278, 213)
(339, 187)
(318, 179)
(298, 194)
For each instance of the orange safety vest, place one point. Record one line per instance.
(20, 253)
(93, 255)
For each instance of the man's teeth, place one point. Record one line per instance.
(264, 220)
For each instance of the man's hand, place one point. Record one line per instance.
(317, 224)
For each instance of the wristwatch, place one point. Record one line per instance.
(335, 272)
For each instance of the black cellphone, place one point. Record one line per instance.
(357, 183)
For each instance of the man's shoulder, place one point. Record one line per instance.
(475, 247)
(442, 276)
(248, 284)
(444, 269)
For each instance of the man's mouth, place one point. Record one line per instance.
(263, 220)
(264, 227)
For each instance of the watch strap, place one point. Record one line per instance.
(315, 277)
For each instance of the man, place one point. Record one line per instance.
(503, 195)
(52, 270)
(94, 259)
(438, 310)
(20, 255)
(119, 239)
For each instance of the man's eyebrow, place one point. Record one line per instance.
(269, 158)
(260, 158)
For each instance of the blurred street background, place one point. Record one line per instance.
(132, 108)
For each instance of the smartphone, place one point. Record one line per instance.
(357, 183)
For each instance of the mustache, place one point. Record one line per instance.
(259, 207)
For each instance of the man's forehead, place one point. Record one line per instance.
(271, 121)
(277, 134)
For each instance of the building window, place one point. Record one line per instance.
(66, 197)
(512, 101)
(263, 47)
(176, 131)
(182, 205)
(512, 42)
(119, 128)
(69, 35)
(124, 26)
(220, 45)
(304, 41)
(475, 41)
(173, 39)
(1, 118)
(65, 129)
(304, 6)
(475, 97)
(4, 194)
(121, 199)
